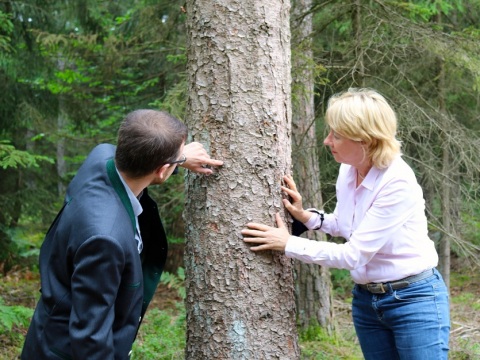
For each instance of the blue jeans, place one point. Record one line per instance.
(412, 323)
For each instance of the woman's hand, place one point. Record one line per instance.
(266, 237)
(198, 159)
(295, 207)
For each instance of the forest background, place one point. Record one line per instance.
(70, 71)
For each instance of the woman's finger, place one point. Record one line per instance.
(280, 223)
(259, 248)
(258, 226)
(290, 192)
(255, 233)
(289, 181)
(255, 240)
(288, 205)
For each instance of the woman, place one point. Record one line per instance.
(400, 302)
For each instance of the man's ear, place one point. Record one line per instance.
(161, 172)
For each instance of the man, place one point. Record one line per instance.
(104, 253)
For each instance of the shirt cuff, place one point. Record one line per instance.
(315, 221)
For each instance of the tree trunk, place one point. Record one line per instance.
(61, 124)
(240, 304)
(359, 70)
(446, 198)
(312, 284)
(447, 164)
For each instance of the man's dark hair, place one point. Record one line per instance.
(147, 140)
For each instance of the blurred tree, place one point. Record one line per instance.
(312, 282)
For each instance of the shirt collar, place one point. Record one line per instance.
(137, 208)
(369, 181)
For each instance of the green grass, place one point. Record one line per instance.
(465, 289)
(467, 349)
(467, 298)
(316, 344)
(161, 336)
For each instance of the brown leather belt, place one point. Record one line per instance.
(382, 288)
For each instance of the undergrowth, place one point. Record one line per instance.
(162, 334)
(12, 319)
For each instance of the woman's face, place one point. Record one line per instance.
(344, 150)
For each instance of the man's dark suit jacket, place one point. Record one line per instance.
(95, 287)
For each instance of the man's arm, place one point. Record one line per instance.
(96, 278)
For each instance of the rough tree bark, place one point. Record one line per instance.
(240, 304)
(312, 282)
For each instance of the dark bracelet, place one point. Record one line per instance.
(322, 217)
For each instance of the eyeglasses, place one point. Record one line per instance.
(179, 162)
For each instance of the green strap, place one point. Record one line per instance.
(120, 189)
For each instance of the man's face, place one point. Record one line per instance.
(170, 169)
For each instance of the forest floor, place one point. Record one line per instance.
(464, 312)
(21, 288)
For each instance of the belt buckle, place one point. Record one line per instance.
(376, 288)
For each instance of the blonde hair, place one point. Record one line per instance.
(364, 115)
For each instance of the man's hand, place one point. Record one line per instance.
(198, 159)
(267, 237)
